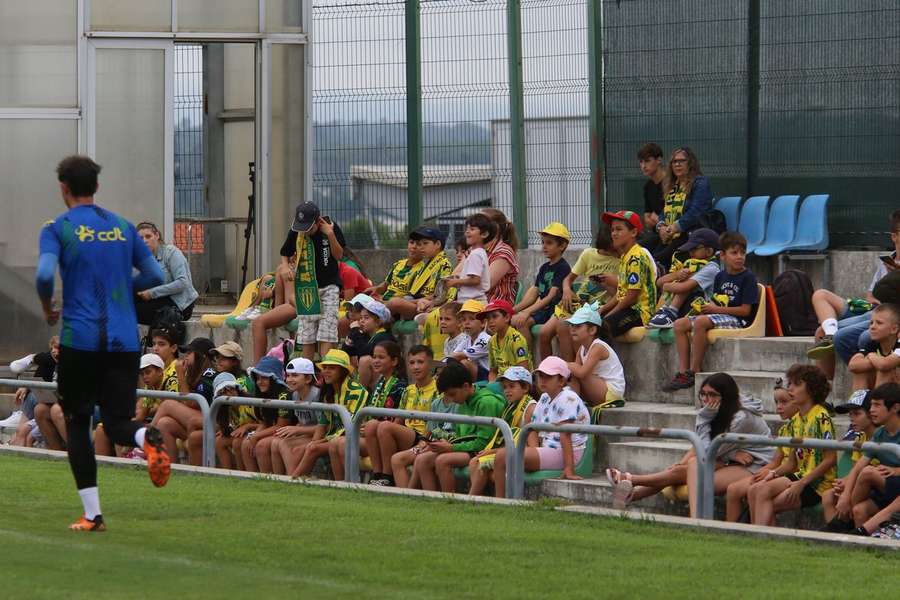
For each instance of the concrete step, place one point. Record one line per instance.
(759, 384)
(758, 354)
(596, 491)
(7, 404)
(642, 456)
(675, 416)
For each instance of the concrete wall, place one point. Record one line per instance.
(851, 271)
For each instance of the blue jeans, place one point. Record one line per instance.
(852, 334)
(28, 405)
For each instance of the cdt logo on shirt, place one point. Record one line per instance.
(87, 234)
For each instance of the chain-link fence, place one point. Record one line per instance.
(774, 98)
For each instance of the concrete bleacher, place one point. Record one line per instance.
(755, 363)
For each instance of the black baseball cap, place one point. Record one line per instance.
(701, 237)
(305, 216)
(428, 233)
(859, 399)
(200, 345)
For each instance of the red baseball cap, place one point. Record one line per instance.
(628, 216)
(496, 305)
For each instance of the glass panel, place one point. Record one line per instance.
(131, 15)
(284, 16)
(130, 132)
(286, 160)
(37, 54)
(28, 157)
(222, 15)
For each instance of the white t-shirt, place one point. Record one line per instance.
(456, 344)
(567, 406)
(477, 349)
(476, 264)
(609, 370)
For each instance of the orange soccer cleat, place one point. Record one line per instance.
(85, 524)
(159, 466)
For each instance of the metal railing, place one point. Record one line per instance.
(209, 425)
(157, 394)
(612, 431)
(705, 508)
(352, 448)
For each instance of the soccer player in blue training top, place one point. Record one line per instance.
(96, 251)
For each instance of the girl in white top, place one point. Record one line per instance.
(597, 373)
(474, 280)
(558, 405)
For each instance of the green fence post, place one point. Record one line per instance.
(517, 118)
(597, 110)
(413, 113)
(753, 34)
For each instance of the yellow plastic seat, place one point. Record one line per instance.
(676, 493)
(244, 302)
(633, 335)
(756, 329)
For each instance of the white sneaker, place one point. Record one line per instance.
(243, 315)
(13, 420)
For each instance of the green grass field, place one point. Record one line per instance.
(209, 537)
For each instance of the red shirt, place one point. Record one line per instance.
(352, 279)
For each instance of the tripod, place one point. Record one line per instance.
(251, 222)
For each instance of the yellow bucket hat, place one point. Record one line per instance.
(338, 358)
(559, 230)
(472, 306)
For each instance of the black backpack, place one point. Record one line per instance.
(793, 296)
(169, 318)
(713, 219)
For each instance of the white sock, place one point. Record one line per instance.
(829, 326)
(139, 436)
(90, 499)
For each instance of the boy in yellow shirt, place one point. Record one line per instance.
(635, 298)
(507, 347)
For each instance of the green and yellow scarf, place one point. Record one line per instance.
(425, 281)
(305, 285)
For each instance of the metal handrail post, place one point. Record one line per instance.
(608, 430)
(744, 440)
(503, 426)
(158, 394)
(209, 427)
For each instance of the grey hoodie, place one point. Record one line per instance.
(747, 420)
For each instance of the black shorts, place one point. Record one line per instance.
(107, 379)
(621, 322)
(882, 498)
(809, 496)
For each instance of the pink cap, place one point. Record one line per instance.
(554, 365)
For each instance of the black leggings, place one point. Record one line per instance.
(146, 309)
(87, 379)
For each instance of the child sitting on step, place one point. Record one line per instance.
(597, 373)
(689, 280)
(781, 463)
(692, 333)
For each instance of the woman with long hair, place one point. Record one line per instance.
(723, 410)
(687, 195)
(177, 419)
(178, 288)
(503, 262)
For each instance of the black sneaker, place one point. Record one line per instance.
(837, 525)
(681, 381)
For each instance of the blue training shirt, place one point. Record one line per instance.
(97, 252)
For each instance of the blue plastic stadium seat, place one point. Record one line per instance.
(812, 224)
(730, 206)
(782, 226)
(753, 221)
